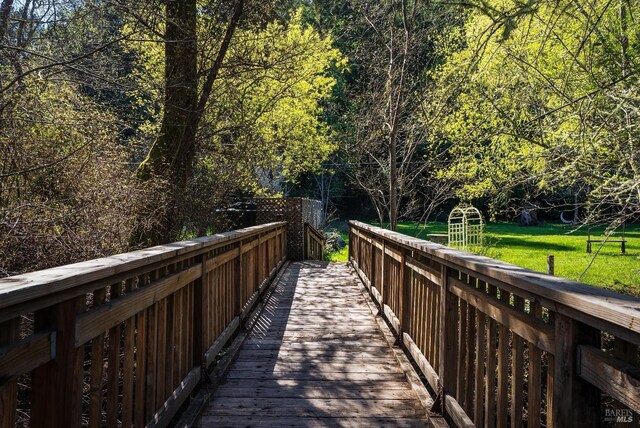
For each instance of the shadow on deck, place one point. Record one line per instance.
(134, 339)
(315, 357)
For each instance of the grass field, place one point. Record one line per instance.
(529, 246)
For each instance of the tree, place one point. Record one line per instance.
(265, 116)
(66, 190)
(172, 154)
(390, 44)
(541, 100)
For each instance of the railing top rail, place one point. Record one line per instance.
(34, 285)
(570, 297)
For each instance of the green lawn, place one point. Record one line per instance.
(529, 247)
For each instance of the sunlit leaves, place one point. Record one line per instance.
(536, 100)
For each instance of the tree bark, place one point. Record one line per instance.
(5, 11)
(171, 155)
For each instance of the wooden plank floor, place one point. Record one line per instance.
(315, 358)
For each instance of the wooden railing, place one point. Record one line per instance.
(313, 243)
(124, 340)
(502, 344)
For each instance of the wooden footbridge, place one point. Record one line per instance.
(227, 331)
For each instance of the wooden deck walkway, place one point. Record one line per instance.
(141, 332)
(316, 357)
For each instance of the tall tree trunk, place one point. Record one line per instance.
(5, 11)
(172, 153)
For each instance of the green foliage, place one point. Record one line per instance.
(68, 194)
(264, 121)
(539, 96)
(341, 255)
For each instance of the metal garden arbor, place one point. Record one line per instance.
(466, 227)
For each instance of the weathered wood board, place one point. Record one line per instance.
(316, 357)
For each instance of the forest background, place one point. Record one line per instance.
(125, 124)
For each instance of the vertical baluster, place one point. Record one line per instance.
(141, 355)
(97, 366)
(152, 361)
(405, 295)
(490, 391)
(469, 373)
(517, 372)
(113, 379)
(503, 369)
(535, 372)
(128, 330)
(448, 334)
(478, 411)
(462, 353)
(161, 351)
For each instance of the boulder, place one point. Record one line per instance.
(334, 241)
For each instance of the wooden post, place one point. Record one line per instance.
(373, 277)
(267, 257)
(448, 314)
(307, 243)
(576, 403)
(9, 333)
(383, 281)
(405, 296)
(351, 241)
(239, 284)
(551, 264)
(285, 243)
(258, 266)
(57, 385)
(199, 346)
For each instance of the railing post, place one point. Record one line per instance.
(448, 314)
(57, 385)
(267, 256)
(9, 333)
(239, 283)
(373, 276)
(306, 251)
(351, 242)
(575, 402)
(383, 274)
(258, 266)
(278, 246)
(199, 313)
(405, 296)
(285, 246)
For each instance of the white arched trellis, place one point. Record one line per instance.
(465, 227)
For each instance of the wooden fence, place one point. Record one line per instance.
(501, 344)
(124, 340)
(297, 212)
(313, 243)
